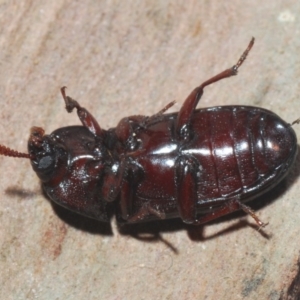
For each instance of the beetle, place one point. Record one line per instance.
(197, 164)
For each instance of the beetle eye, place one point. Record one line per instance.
(45, 162)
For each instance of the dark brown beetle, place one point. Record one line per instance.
(196, 164)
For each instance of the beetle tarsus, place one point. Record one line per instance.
(245, 54)
(250, 212)
(145, 211)
(70, 103)
(296, 122)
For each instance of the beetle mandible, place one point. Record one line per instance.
(197, 164)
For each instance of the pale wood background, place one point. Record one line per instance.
(127, 57)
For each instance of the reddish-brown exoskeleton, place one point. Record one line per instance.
(195, 164)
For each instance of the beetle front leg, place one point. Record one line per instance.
(86, 118)
(186, 112)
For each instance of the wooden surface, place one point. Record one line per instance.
(119, 58)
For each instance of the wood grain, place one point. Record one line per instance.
(119, 58)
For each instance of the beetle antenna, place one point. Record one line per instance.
(12, 153)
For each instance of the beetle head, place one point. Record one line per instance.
(71, 163)
(48, 157)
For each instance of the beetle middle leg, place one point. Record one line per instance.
(189, 105)
(129, 175)
(186, 169)
(124, 185)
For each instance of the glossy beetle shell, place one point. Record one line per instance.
(241, 150)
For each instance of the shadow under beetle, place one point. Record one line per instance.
(197, 164)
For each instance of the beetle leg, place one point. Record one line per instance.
(231, 206)
(144, 211)
(186, 188)
(126, 129)
(126, 195)
(186, 192)
(128, 174)
(129, 125)
(189, 105)
(158, 116)
(119, 184)
(111, 187)
(164, 109)
(85, 116)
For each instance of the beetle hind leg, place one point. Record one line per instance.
(186, 178)
(229, 207)
(186, 112)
